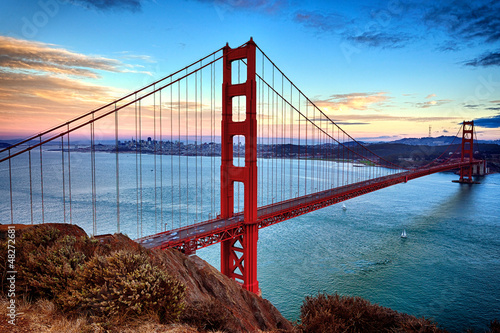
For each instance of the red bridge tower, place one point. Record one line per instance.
(467, 152)
(239, 255)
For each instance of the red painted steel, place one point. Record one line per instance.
(467, 152)
(239, 254)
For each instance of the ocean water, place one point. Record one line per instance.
(447, 269)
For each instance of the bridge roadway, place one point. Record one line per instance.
(190, 238)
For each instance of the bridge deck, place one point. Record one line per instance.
(189, 239)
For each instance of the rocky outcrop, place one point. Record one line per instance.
(209, 290)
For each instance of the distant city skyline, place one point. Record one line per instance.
(382, 70)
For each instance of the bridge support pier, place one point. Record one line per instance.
(239, 258)
(239, 255)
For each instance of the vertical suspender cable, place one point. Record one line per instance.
(92, 171)
(162, 226)
(140, 160)
(298, 151)
(117, 173)
(63, 180)
(41, 180)
(201, 143)
(10, 191)
(291, 144)
(69, 180)
(179, 145)
(31, 187)
(212, 194)
(273, 153)
(187, 157)
(307, 147)
(137, 143)
(196, 140)
(171, 152)
(282, 136)
(270, 156)
(154, 158)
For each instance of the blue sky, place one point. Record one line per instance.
(385, 69)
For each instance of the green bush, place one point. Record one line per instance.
(124, 283)
(46, 271)
(46, 260)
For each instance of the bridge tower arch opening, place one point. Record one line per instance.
(239, 255)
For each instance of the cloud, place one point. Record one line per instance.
(356, 101)
(471, 106)
(145, 58)
(267, 6)
(381, 39)
(450, 46)
(485, 60)
(368, 118)
(380, 138)
(329, 22)
(428, 104)
(398, 23)
(338, 122)
(488, 122)
(27, 56)
(372, 35)
(497, 101)
(477, 21)
(494, 108)
(127, 5)
(430, 96)
(445, 131)
(350, 123)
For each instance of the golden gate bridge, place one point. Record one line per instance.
(219, 149)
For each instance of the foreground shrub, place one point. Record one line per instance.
(46, 260)
(123, 283)
(47, 271)
(334, 313)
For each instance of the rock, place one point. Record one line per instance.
(207, 287)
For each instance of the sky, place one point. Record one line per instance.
(384, 70)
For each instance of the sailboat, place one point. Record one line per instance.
(403, 234)
(344, 207)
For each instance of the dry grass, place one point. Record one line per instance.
(42, 316)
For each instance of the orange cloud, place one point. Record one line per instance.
(353, 101)
(28, 56)
(42, 85)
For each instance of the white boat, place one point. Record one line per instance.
(403, 234)
(344, 207)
